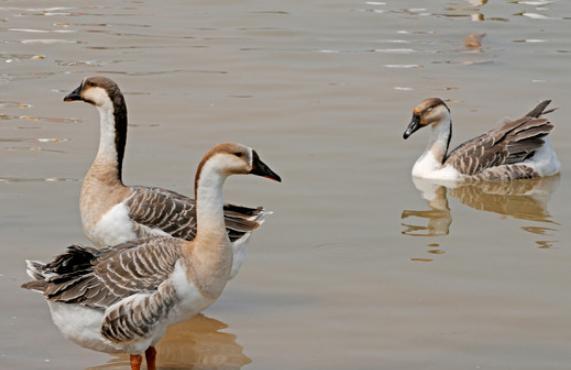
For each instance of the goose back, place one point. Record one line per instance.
(504, 147)
(152, 208)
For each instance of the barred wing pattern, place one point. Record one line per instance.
(510, 144)
(130, 281)
(137, 316)
(175, 214)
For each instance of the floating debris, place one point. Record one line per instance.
(474, 40)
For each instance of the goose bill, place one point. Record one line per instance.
(259, 168)
(413, 126)
(74, 95)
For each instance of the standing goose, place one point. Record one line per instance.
(113, 213)
(517, 149)
(122, 298)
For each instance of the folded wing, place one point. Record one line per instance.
(512, 143)
(175, 214)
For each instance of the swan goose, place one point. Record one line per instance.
(515, 150)
(122, 298)
(113, 213)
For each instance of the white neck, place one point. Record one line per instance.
(107, 152)
(210, 201)
(440, 136)
(211, 255)
(437, 147)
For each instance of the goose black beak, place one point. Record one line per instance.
(74, 95)
(413, 126)
(259, 168)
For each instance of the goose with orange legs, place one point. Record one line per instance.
(122, 298)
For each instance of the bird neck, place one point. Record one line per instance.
(210, 204)
(211, 254)
(439, 141)
(108, 163)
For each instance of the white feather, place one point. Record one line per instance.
(115, 227)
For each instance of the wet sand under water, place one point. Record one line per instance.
(358, 268)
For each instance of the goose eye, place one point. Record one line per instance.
(238, 154)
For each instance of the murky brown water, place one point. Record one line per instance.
(356, 270)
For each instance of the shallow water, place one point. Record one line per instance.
(356, 269)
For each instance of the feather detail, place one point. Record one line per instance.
(175, 214)
(539, 110)
(100, 278)
(136, 317)
(511, 144)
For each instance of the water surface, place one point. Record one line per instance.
(356, 269)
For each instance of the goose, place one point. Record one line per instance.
(517, 149)
(122, 298)
(113, 213)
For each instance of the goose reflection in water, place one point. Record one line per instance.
(195, 344)
(520, 199)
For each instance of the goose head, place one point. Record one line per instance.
(99, 91)
(235, 159)
(430, 112)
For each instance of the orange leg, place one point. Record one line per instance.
(136, 361)
(151, 356)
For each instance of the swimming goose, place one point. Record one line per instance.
(515, 150)
(113, 213)
(122, 298)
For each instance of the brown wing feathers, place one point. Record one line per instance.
(512, 143)
(539, 110)
(129, 281)
(104, 277)
(175, 214)
(137, 317)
